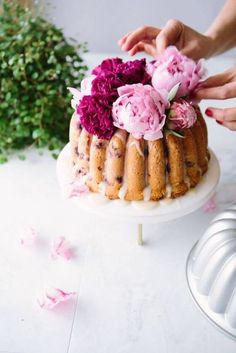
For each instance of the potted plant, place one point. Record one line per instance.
(37, 64)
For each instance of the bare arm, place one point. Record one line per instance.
(223, 29)
(220, 37)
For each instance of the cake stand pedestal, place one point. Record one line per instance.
(139, 212)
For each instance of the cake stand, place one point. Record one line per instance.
(140, 212)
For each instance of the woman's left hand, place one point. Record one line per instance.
(222, 86)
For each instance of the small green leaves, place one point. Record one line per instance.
(3, 158)
(34, 74)
(22, 157)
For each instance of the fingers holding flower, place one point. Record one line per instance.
(141, 39)
(154, 40)
(221, 86)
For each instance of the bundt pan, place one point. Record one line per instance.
(211, 272)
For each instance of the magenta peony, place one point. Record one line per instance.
(105, 85)
(109, 65)
(133, 72)
(182, 115)
(140, 110)
(95, 116)
(172, 68)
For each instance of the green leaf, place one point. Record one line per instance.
(175, 133)
(22, 157)
(37, 133)
(3, 159)
(173, 92)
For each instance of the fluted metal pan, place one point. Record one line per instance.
(211, 272)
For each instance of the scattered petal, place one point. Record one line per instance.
(77, 188)
(28, 236)
(77, 96)
(52, 297)
(210, 205)
(61, 248)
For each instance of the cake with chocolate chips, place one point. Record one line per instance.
(135, 133)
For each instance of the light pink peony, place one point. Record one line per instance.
(182, 115)
(172, 68)
(140, 110)
(85, 90)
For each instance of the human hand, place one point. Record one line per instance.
(154, 40)
(222, 86)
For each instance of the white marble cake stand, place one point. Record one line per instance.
(140, 212)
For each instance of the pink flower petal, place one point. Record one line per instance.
(210, 205)
(28, 236)
(61, 248)
(140, 110)
(52, 297)
(77, 188)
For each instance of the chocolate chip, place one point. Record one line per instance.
(146, 152)
(168, 168)
(81, 155)
(189, 164)
(114, 154)
(119, 179)
(100, 168)
(99, 145)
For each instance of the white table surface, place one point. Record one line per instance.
(130, 298)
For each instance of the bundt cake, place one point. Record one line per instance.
(130, 138)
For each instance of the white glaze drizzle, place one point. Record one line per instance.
(147, 193)
(187, 181)
(137, 145)
(168, 191)
(102, 188)
(142, 205)
(123, 191)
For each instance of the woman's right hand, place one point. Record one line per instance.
(154, 40)
(221, 86)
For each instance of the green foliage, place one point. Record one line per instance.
(37, 64)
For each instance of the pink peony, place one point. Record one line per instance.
(172, 68)
(140, 110)
(85, 90)
(182, 115)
